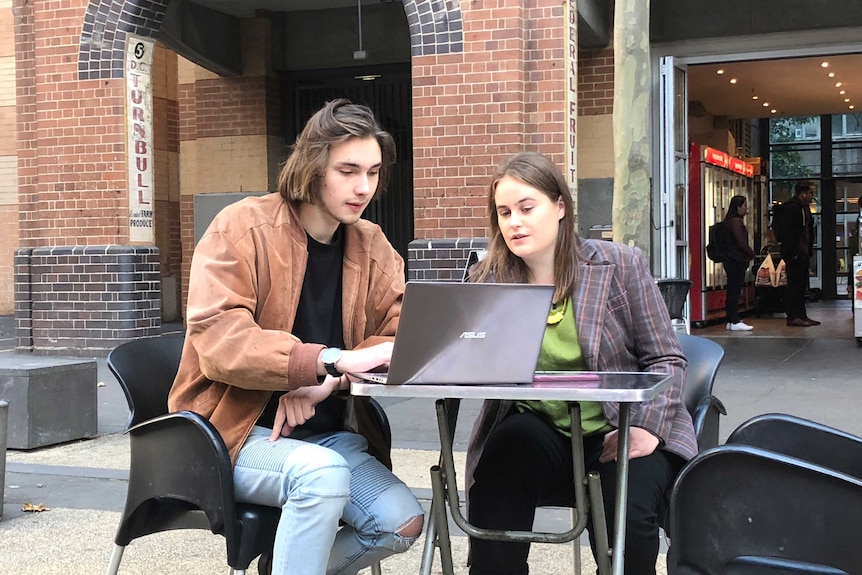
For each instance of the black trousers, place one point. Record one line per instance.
(735, 279)
(527, 463)
(797, 284)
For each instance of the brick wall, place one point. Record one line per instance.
(79, 289)
(8, 159)
(84, 301)
(502, 93)
(595, 82)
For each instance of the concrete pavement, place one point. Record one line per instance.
(813, 373)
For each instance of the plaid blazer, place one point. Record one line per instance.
(623, 325)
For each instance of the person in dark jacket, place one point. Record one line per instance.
(797, 243)
(739, 254)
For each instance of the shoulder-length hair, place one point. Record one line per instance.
(337, 121)
(501, 265)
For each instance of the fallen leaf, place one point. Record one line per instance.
(29, 507)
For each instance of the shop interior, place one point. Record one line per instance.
(788, 120)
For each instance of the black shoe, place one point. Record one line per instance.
(812, 321)
(798, 322)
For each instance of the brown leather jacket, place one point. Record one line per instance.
(246, 276)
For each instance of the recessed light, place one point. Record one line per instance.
(755, 97)
(720, 71)
(851, 106)
(846, 99)
(766, 104)
(831, 74)
(772, 111)
(824, 64)
(842, 92)
(733, 80)
(837, 84)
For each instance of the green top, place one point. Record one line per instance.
(562, 352)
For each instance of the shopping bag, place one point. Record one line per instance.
(765, 273)
(780, 275)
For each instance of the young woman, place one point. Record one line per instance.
(739, 254)
(607, 315)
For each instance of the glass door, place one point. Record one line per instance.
(670, 212)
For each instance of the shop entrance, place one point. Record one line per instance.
(732, 102)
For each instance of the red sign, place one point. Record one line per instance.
(723, 160)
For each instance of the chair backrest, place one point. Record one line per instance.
(145, 369)
(674, 292)
(803, 439)
(742, 510)
(704, 357)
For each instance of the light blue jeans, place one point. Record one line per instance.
(317, 482)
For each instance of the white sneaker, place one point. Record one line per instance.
(738, 326)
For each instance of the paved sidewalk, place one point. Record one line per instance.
(84, 483)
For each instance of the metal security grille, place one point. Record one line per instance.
(390, 100)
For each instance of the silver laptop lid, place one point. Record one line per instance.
(466, 333)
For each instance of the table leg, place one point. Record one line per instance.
(622, 490)
(430, 539)
(441, 521)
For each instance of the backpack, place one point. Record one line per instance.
(717, 247)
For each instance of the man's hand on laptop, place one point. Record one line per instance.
(297, 406)
(362, 360)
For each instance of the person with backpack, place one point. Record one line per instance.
(796, 234)
(737, 257)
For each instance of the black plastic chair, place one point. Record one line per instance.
(197, 493)
(803, 439)
(741, 510)
(674, 292)
(704, 358)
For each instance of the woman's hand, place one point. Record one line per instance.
(641, 444)
(297, 406)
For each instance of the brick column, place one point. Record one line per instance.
(500, 91)
(72, 181)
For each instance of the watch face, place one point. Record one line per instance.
(330, 355)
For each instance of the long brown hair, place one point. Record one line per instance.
(501, 265)
(336, 122)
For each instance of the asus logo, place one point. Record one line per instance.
(472, 335)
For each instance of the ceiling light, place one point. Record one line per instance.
(367, 77)
(766, 104)
(824, 64)
(846, 99)
(831, 74)
(755, 97)
(837, 84)
(720, 71)
(733, 80)
(842, 92)
(772, 111)
(851, 106)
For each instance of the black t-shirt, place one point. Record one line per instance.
(318, 320)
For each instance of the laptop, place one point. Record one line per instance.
(467, 334)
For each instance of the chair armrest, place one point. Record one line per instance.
(706, 421)
(180, 456)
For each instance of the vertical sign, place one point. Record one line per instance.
(139, 138)
(572, 100)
